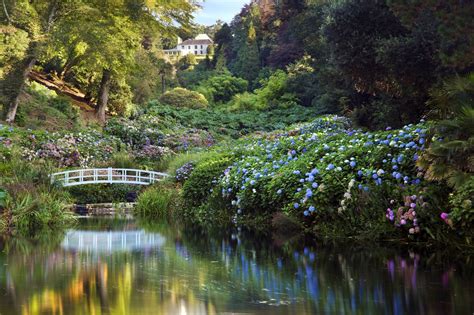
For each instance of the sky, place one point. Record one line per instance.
(214, 10)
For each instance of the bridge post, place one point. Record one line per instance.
(95, 175)
(109, 175)
(66, 178)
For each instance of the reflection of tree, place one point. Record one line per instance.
(210, 273)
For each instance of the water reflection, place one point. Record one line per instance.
(122, 268)
(96, 241)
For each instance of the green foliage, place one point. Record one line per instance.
(462, 203)
(451, 96)
(450, 156)
(246, 102)
(221, 88)
(179, 97)
(222, 124)
(353, 39)
(29, 213)
(101, 193)
(158, 202)
(326, 175)
(199, 186)
(247, 62)
(3, 198)
(30, 204)
(171, 164)
(186, 62)
(14, 45)
(122, 159)
(43, 108)
(274, 92)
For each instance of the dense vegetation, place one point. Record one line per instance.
(342, 119)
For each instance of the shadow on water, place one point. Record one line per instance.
(113, 266)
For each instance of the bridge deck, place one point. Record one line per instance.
(107, 176)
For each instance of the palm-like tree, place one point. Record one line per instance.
(451, 156)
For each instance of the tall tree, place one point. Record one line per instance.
(37, 18)
(247, 63)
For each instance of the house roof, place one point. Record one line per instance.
(197, 42)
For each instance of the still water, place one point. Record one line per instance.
(108, 266)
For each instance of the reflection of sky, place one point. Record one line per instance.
(96, 241)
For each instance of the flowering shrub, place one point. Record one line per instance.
(183, 173)
(152, 152)
(326, 170)
(136, 133)
(154, 130)
(405, 216)
(70, 149)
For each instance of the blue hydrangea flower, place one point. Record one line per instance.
(352, 164)
(296, 205)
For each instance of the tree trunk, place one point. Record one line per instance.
(103, 96)
(163, 84)
(12, 109)
(28, 65)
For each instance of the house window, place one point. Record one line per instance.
(195, 52)
(201, 46)
(195, 46)
(189, 46)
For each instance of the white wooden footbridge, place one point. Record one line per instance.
(107, 176)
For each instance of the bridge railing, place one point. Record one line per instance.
(107, 176)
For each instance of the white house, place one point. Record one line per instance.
(198, 46)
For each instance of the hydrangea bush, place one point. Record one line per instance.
(183, 173)
(326, 170)
(85, 148)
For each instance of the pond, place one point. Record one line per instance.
(111, 266)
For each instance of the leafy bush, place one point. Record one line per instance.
(123, 159)
(274, 92)
(183, 173)
(462, 203)
(30, 204)
(451, 155)
(199, 185)
(180, 97)
(30, 212)
(137, 133)
(158, 202)
(326, 174)
(101, 193)
(246, 102)
(221, 88)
